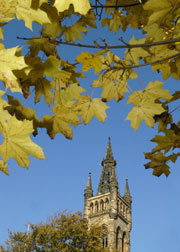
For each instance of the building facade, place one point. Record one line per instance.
(108, 208)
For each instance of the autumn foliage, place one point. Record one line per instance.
(42, 73)
(63, 232)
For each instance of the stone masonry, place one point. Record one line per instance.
(108, 208)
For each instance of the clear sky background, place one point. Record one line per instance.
(58, 182)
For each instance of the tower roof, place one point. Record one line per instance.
(108, 174)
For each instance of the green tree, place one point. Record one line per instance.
(42, 72)
(62, 233)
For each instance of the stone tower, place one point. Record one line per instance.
(108, 208)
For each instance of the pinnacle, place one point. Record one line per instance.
(89, 184)
(127, 195)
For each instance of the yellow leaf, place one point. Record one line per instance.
(81, 6)
(152, 92)
(52, 68)
(89, 61)
(41, 44)
(3, 167)
(59, 123)
(112, 88)
(4, 114)
(43, 87)
(159, 9)
(87, 108)
(134, 54)
(24, 11)
(8, 63)
(75, 31)
(17, 143)
(145, 110)
(7, 10)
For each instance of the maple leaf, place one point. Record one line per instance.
(74, 32)
(144, 110)
(170, 140)
(52, 68)
(134, 54)
(159, 10)
(7, 10)
(70, 93)
(59, 123)
(154, 32)
(152, 92)
(87, 107)
(112, 87)
(9, 62)
(81, 6)
(17, 143)
(15, 107)
(115, 22)
(164, 120)
(159, 162)
(41, 44)
(24, 11)
(3, 167)
(43, 87)
(89, 61)
(4, 115)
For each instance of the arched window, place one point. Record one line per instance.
(102, 205)
(106, 203)
(118, 206)
(117, 238)
(121, 208)
(126, 212)
(123, 242)
(105, 236)
(91, 208)
(96, 207)
(105, 240)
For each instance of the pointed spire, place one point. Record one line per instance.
(127, 195)
(88, 192)
(109, 154)
(89, 184)
(108, 175)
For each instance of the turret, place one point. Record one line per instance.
(88, 193)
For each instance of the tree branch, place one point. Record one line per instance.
(145, 64)
(117, 6)
(59, 42)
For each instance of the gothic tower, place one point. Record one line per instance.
(108, 208)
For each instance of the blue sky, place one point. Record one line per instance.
(59, 181)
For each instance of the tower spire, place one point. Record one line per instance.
(108, 174)
(127, 195)
(88, 192)
(109, 154)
